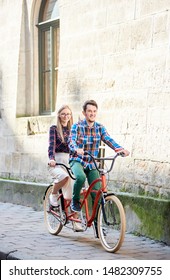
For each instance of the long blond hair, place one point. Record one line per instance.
(69, 124)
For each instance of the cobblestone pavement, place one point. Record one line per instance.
(23, 236)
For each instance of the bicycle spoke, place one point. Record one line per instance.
(111, 224)
(53, 221)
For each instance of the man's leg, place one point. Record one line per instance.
(80, 176)
(91, 176)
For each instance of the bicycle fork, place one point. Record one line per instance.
(103, 201)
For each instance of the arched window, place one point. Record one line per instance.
(49, 40)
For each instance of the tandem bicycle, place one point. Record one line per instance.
(107, 209)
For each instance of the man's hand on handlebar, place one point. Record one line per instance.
(124, 153)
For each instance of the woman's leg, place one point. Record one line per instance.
(59, 185)
(60, 178)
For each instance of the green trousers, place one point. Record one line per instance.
(81, 174)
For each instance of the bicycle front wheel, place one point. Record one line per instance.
(111, 224)
(52, 216)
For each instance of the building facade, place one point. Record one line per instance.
(67, 51)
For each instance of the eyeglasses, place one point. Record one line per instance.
(65, 115)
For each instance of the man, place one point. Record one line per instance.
(86, 135)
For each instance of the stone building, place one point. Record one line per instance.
(114, 51)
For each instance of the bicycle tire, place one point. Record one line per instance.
(53, 223)
(112, 233)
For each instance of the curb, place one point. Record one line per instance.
(28, 194)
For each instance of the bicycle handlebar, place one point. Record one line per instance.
(94, 159)
(113, 158)
(67, 168)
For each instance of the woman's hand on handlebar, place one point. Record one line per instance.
(52, 163)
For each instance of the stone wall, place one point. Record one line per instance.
(116, 52)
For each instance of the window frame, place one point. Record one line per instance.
(45, 26)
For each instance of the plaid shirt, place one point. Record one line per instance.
(89, 138)
(55, 142)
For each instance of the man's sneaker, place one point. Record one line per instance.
(77, 227)
(53, 200)
(75, 206)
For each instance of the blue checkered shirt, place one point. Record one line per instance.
(89, 138)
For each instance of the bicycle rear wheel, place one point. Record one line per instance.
(52, 216)
(111, 224)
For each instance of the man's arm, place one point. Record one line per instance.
(108, 140)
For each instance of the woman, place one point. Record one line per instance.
(58, 151)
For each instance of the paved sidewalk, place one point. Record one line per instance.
(23, 236)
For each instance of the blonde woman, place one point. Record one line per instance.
(58, 151)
